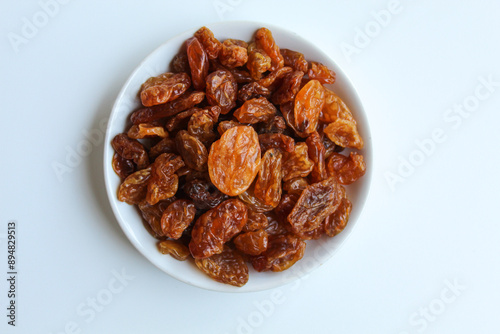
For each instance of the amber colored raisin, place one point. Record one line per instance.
(221, 90)
(344, 133)
(146, 131)
(130, 149)
(192, 150)
(317, 152)
(177, 217)
(241, 75)
(211, 45)
(152, 216)
(337, 221)
(203, 193)
(228, 267)
(275, 78)
(317, 201)
(346, 169)
(164, 182)
(276, 140)
(198, 62)
(289, 88)
(234, 160)
(150, 114)
(283, 251)
(308, 105)
(264, 40)
(201, 126)
(255, 110)
(287, 111)
(268, 182)
(217, 226)
(134, 188)
(276, 124)
(253, 90)
(163, 88)
(252, 243)
(275, 227)
(298, 163)
(334, 108)
(180, 121)
(253, 202)
(258, 61)
(286, 206)
(122, 167)
(175, 248)
(295, 59)
(255, 221)
(322, 73)
(295, 185)
(166, 145)
(226, 125)
(233, 53)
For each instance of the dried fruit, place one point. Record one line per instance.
(166, 145)
(177, 217)
(317, 155)
(198, 62)
(255, 221)
(274, 79)
(163, 88)
(211, 45)
(253, 90)
(283, 251)
(146, 131)
(308, 104)
(233, 53)
(122, 167)
(201, 126)
(255, 110)
(335, 108)
(130, 149)
(152, 216)
(337, 221)
(276, 140)
(289, 88)
(227, 267)
(164, 181)
(252, 243)
(180, 63)
(193, 152)
(203, 193)
(344, 133)
(268, 183)
(134, 188)
(317, 201)
(264, 40)
(274, 125)
(217, 226)
(295, 185)
(180, 121)
(320, 72)
(234, 160)
(221, 90)
(258, 61)
(346, 169)
(295, 59)
(298, 163)
(176, 249)
(226, 125)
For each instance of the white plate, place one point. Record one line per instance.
(317, 251)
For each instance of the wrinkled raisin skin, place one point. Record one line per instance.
(176, 249)
(268, 182)
(193, 152)
(211, 45)
(252, 243)
(228, 267)
(164, 88)
(255, 111)
(221, 90)
(177, 217)
(204, 194)
(130, 149)
(282, 252)
(134, 188)
(198, 62)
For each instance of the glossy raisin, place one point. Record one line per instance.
(228, 267)
(134, 188)
(177, 217)
(175, 248)
(322, 73)
(141, 131)
(265, 40)
(283, 251)
(130, 149)
(295, 60)
(122, 167)
(233, 53)
(163, 88)
(192, 150)
(268, 182)
(308, 105)
(346, 169)
(221, 90)
(255, 110)
(203, 193)
(252, 243)
(297, 163)
(211, 45)
(198, 62)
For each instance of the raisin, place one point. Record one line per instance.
(211, 45)
(228, 267)
(286, 206)
(274, 125)
(166, 145)
(252, 243)
(276, 140)
(295, 185)
(274, 79)
(130, 149)
(294, 59)
(255, 221)
(344, 133)
(152, 216)
(217, 226)
(226, 125)
(255, 110)
(180, 121)
(146, 131)
(308, 105)
(289, 88)
(234, 160)
(163, 88)
(268, 182)
(253, 90)
(164, 182)
(198, 62)
(334, 108)
(317, 152)
(240, 75)
(221, 90)
(201, 126)
(283, 251)
(134, 188)
(264, 40)
(274, 227)
(233, 53)
(122, 167)
(180, 63)
(317, 201)
(258, 61)
(346, 169)
(337, 221)
(184, 102)
(320, 72)
(176, 218)
(193, 152)
(203, 193)
(298, 163)
(253, 202)
(176, 249)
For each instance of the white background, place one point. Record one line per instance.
(437, 226)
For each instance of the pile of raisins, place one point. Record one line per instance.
(234, 157)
